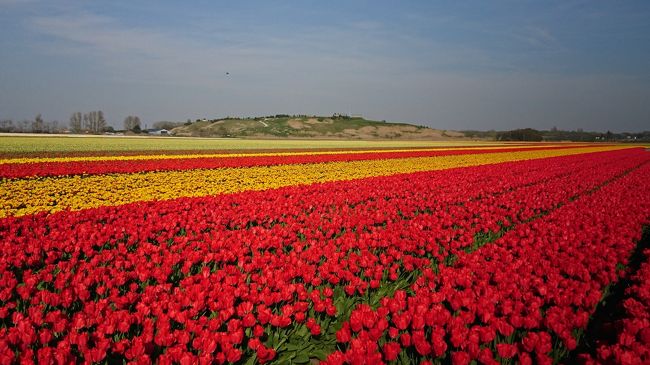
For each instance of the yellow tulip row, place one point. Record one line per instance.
(52, 194)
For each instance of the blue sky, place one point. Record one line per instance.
(450, 65)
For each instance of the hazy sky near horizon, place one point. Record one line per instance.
(445, 64)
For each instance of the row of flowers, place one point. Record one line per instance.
(526, 298)
(14, 169)
(27, 154)
(627, 339)
(53, 194)
(231, 277)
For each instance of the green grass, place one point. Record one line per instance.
(297, 127)
(27, 144)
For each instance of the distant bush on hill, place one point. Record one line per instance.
(527, 134)
(166, 125)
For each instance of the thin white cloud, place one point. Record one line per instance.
(15, 2)
(367, 25)
(138, 53)
(153, 54)
(537, 36)
(99, 33)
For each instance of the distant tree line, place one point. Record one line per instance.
(526, 134)
(91, 122)
(580, 135)
(132, 123)
(38, 125)
(94, 122)
(556, 135)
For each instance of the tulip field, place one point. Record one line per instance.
(484, 254)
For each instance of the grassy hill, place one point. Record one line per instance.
(310, 127)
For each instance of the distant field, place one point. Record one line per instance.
(23, 144)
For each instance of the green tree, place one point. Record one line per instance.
(75, 122)
(94, 121)
(38, 124)
(527, 134)
(131, 122)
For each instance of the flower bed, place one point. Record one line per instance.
(487, 262)
(99, 165)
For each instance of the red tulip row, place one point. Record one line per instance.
(627, 340)
(25, 170)
(259, 274)
(526, 297)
